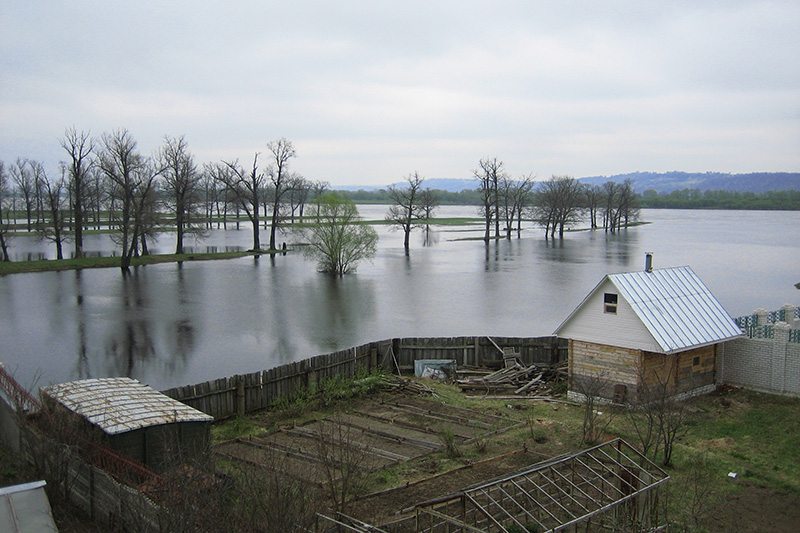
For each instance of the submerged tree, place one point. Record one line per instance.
(282, 151)
(181, 185)
(55, 201)
(130, 181)
(515, 197)
(22, 176)
(4, 223)
(489, 176)
(79, 147)
(558, 204)
(406, 210)
(340, 239)
(245, 189)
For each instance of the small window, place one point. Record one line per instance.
(696, 361)
(610, 303)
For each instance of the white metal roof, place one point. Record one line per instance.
(117, 405)
(675, 307)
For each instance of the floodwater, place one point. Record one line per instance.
(178, 324)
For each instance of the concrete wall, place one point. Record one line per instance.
(765, 364)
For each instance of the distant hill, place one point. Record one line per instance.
(444, 184)
(667, 182)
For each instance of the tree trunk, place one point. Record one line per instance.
(179, 237)
(4, 248)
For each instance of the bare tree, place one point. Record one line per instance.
(406, 212)
(299, 190)
(593, 388)
(22, 176)
(79, 147)
(54, 228)
(610, 194)
(628, 204)
(558, 204)
(428, 203)
(489, 175)
(317, 190)
(282, 151)
(131, 182)
(515, 196)
(658, 418)
(345, 461)
(5, 224)
(245, 189)
(181, 184)
(592, 195)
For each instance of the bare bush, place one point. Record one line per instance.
(658, 418)
(345, 461)
(595, 420)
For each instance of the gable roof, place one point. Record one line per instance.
(675, 307)
(117, 405)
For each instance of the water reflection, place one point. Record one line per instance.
(82, 366)
(129, 341)
(337, 309)
(180, 332)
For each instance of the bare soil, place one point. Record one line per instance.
(755, 509)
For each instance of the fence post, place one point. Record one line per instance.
(779, 345)
(761, 317)
(240, 404)
(788, 316)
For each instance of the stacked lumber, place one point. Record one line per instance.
(511, 378)
(515, 379)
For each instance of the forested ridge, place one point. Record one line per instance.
(680, 199)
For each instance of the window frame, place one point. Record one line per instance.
(610, 303)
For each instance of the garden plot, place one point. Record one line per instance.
(376, 435)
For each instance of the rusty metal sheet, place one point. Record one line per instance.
(118, 405)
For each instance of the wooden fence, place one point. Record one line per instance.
(240, 394)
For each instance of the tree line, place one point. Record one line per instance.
(107, 183)
(651, 199)
(718, 199)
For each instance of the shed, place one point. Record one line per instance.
(26, 509)
(133, 419)
(653, 328)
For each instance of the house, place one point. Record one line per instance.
(132, 419)
(637, 332)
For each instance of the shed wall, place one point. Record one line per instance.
(611, 365)
(623, 366)
(160, 446)
(680, 372)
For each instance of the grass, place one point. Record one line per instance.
(755, 435)
(46, 265)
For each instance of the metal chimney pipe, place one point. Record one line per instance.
(648, 261)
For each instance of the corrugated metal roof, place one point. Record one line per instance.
(117, 405)
(676, 308)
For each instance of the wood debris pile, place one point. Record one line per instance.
(405, 385)
(515, 378)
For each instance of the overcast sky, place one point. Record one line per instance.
(371, 91)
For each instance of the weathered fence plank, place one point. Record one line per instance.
(221, 398)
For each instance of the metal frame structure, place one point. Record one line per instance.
(605, 487)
